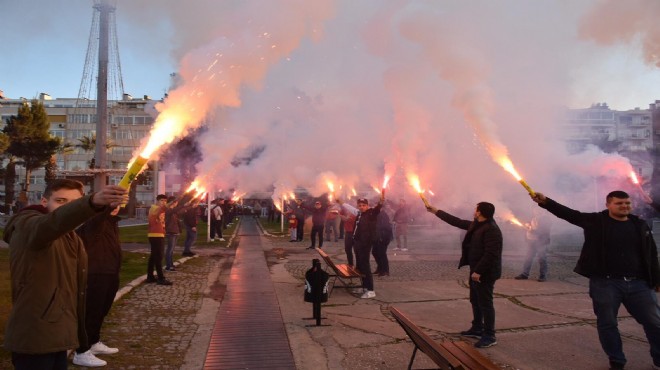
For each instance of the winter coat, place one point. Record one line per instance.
(482, 246)
(384, 228)
(100, 235)
(48, 267)
(365, 223)
(592, 257)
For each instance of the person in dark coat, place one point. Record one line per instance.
(384, 236)
(620, 258)
(100, 235)
(482, 252)
(299, 212)
(364, 237)
(318, 222)
(190, 218)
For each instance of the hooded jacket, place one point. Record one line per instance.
(592, 257)
(48, 267)
(481, 247)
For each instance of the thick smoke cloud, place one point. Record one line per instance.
(345, 91)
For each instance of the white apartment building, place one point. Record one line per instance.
(129, 121)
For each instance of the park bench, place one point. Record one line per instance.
(345, 273)
(448, 355)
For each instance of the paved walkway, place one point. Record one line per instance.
(540, 325)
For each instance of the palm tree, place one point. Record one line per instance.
(88, 144)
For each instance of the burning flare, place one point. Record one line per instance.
(506, 163)
(414, 182)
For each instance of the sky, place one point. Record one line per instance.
(347, 91)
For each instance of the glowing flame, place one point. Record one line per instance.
(376, 189)
(292, 195)
(414, 182)
(331, 186)
(633, 177)
(278, 205)
(515, 221)
(386, 180)
(354, 192)
(430, 192)
(506, 163)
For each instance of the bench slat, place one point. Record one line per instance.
(483, 361)
(439, 355)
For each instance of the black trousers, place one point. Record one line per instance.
(45, 361)
(317, 230)
(300, 229)
(483, 310)
(380, 255)
(348, 246)
(101, 290)
(362, 256)
(156, 257)
(216, 228)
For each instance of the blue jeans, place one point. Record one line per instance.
(191, 237)
(169, 252)
(640, 300)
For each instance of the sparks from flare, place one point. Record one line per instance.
(635, 180)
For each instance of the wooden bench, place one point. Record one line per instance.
(446, 354)
(342, 271)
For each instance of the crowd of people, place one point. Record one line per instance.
(65, 258)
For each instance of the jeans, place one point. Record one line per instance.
(169, 252)
(301, 228)
(483, 310)
(540, 249)
(401, 231)
(191, 237)
(639, 299)
(332, 229)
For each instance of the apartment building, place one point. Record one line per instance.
(129, 121)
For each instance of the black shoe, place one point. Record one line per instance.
(521, 277)
(485, 342)
(170, 269)
(542, 279)
(311, 247)
(150, 280)
(163, 282)
(188, 254)
(616, 365)
(472, 333)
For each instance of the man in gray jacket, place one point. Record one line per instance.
(48, 267)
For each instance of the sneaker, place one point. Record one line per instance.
(384, 274)
(521, 277)
(99, 348)
(87, 359)
(541, 279)
(311, 247)
(163, 282)
(404, 249)
(397, 249)
(472, 333)
(221, 239)
(357, 291)
(170, 269)
(486, 342)
(368, 294)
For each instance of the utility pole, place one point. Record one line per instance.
(101, 155)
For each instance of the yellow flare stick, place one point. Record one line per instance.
(132, 172)
(529, 190)
(426, 202)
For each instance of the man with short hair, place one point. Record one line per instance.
(216, 220)
(620, 258)
(482, 252)
(48, 265)
(318, 222)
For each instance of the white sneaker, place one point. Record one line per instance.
(357, 291)
(404, 249)
(368, 294)
(221, 239)
(99, 348)
(397, 249)
(87, 359)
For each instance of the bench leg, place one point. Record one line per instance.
(412, 359)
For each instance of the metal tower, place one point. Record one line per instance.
(103, 57)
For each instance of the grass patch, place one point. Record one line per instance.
(274, 227)
(138, 234)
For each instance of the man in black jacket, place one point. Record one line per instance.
(482, 251)
(318, 222)
(620, 258)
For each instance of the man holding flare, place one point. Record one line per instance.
(620, 259)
